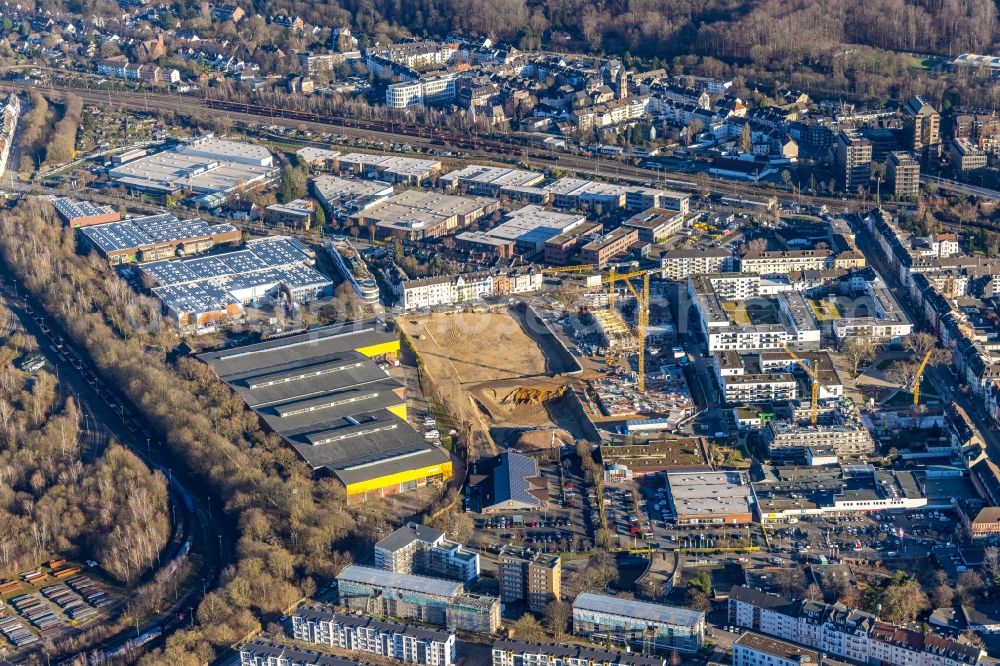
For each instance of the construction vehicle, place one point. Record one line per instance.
(920, 376)
(814, 376)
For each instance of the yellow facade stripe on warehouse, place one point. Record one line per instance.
(378, 350)
(444, 469)
(398, 410)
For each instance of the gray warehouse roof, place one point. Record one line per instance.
(400, 581)
(658, 613)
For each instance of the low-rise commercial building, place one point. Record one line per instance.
(642, 626)
(789, 491)
(508, 482)
(416, 214)
(534, 578)
(213, 168)
(489, 181)
(710, 498)
(530, 227)
(602, 250)
(519, 653)
(401, 642)
(342, 197)
(656, 225)
(326, 395)
(297, 214)
(391, 168)
(559, 249)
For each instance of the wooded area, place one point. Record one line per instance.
(290, 525)
(54, 504)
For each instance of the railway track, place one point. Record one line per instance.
(509, 148)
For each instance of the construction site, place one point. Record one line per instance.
(502, 378)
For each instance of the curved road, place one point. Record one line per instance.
(212, 540)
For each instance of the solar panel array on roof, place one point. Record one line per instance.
(142, 232)
(224, 278)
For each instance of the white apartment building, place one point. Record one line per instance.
(758, 650)
(446, 290)
(422, 92)
(520, 653)
(750, 388)
(413, 645)
(782, 262)
(419, 549)
(683, 263)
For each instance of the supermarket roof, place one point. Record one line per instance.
(657, 613)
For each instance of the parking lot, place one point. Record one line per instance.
(566, 524)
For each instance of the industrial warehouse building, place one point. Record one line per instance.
(326, 395)
(156, 237)
(210, 167)
(203, 292)
(83, 213)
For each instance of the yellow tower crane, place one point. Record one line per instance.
(814, 376)
(920, 376)
(641, 316)
(579, 268)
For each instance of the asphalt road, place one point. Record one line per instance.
(213, 541)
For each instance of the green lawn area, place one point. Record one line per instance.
(824, 310)
(737, 312)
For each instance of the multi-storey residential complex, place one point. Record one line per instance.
(464, 287)
(411, 597)
(739, 312)
(683, 263)
(420, 549)
(535, 578)
(965, 156)
(922, 123)
(902, 175)
(752, 649)
(413, 645)
(519, 653)
(836, 630)
(849, 440)
(425, 91)
(853, 160)
(643, 626)
(782, 262)
(265, 653)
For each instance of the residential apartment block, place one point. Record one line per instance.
(853, 160)
(642, 626)
(413, 645)
(420, 549)
(411, 597)
(834, 629)
(602, 250)
(757, 650)
(902, 175)
(965, 156)
(682, 263)
(519, 653)
(535, 578)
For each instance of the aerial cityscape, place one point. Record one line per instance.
(519, 333)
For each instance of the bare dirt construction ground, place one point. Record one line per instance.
(488, 370)
(472, 347)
